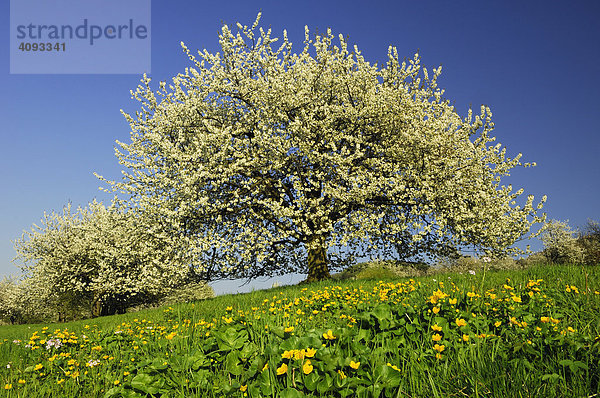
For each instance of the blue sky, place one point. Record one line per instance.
(535, 63)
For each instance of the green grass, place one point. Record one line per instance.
(534, 332)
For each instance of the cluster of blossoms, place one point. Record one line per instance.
(53, 343)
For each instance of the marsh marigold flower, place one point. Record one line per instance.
(329, 335)
(282, 369)
(307, 367)
(393, 367)
(460, 322)
(354, 365)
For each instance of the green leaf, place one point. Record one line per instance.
(325, 383)
(311, 381)
(249, 350)
(291, 393)
(146, 383)
(382, 311)
(553, 377)
(232, 363)
(159, 364)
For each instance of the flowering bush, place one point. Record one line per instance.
(560, 243)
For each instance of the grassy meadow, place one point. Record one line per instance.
(528, 333)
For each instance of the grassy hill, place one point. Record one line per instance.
(534, 332)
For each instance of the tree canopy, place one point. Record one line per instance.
(259, 160)
(100, 257)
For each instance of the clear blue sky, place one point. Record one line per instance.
(535, 63)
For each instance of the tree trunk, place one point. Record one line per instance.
(96, 309)
(318, 268)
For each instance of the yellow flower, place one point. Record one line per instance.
(75, 374)
(60, 381)
(7, 386)
(436, 337)
(545, 319)
(354, 365)
(516, 299)
(171, 335)
(329, 335)
(265, 367)
(342, 375)
(289, 329)
(452, 301)
(244, 388)
(436, 310)
(438, 355)
(460, 322)
(287, 354)
(299, 354)
(310, 352)
(393, 367)
(497, 323)
(97, 348)
(307, 367)
(21, 381)
(228, 309)
(282, 369)
(436, 328)
(126, 373)
(439, 348)
(38, 366)
(465, 337)
(116, 382)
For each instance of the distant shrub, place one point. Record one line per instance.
(533, 259)
(560, 244)
(466, 264)
(376, 272)
(589, 241)
(189, 292)
(383, 269)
